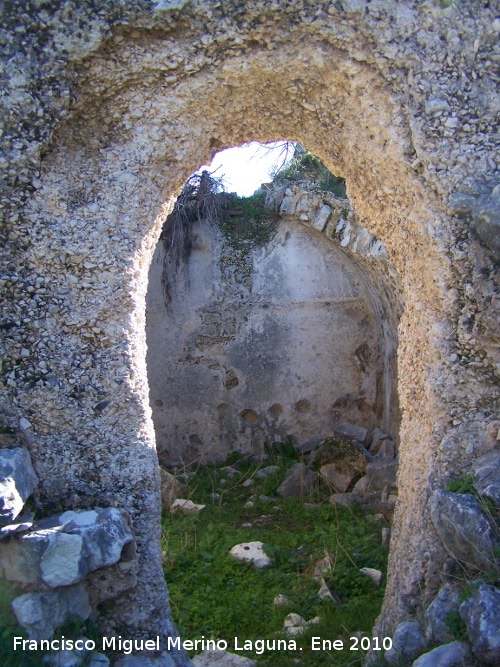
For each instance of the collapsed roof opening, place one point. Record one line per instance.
(265, 317)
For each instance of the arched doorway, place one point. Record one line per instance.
(96, 216)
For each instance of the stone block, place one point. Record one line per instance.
(336, 478)
(481, 615)
(382, 475)
(322, 217)
(436, 627)
(64, 548)
(463, 528)
(300, 481)
(408, 642)
(17, 482)
(221, 659)
(486, 218)
(353, 431)
(252, 552)
(186, 506)
(486, 472)
(171, 488)
(454, 654)
(40, 614)
(346, 499)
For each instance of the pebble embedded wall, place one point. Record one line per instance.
(105, 116)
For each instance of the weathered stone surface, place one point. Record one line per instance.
(344, 451)
(463, 528)
(23, 523)
(435, 105)
(386, 451)
(381, 475)
(436, 626)
(17, 482)
(114, 580)
(454, 654)
(321, 218)
(171, 488)
(282, 600)
(375, 575)
(353, 431)
(40, 614)
(299, 482)
(163, 660)
(65, 658)
(376, 439)
(346, 499)
(481, 614)
(486, 217)
(336, 478)
(66, 547)
(252, 552)
(186, 506)
(98, 660)
(265, 472)
(361, 487)
(486, 470)
(325, 593)
(295, 625)
(408, 642)
(213, 658)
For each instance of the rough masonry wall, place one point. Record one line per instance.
(108, 110)
(282, 342)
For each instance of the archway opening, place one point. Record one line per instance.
(272, 348)
(267, 317)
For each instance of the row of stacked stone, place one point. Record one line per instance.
(47, 562)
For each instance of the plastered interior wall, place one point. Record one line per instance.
(292, 349)
(107, 112)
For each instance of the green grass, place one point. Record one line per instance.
(215, 596)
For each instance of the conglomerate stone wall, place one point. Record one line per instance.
(108, 107)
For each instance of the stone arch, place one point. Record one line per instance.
(150, 104)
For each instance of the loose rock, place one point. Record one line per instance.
(436, 626)
(40, 614)
(17, 482)
(464, 530)
(252, 552)
(299, 482)
(221, 659)
(448, 655)
(186, 506)
(481, 614)
(408, 641)
(486, 472)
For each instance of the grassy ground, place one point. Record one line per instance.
(215, 596)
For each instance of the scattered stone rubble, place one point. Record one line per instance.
(49, 561)
(470, 531)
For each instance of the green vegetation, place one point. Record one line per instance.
(247, 223)
(462, 485)
(216, 596)
(306, 166)
(466, 485)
